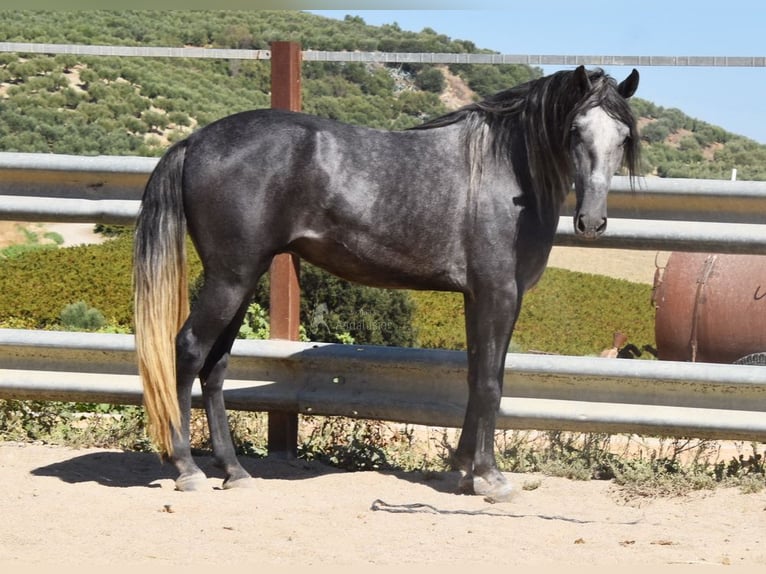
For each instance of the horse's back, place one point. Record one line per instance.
(295, 148)
(379, 207)
(256, 131)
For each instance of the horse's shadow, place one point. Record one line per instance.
(122, 469)
(109, 468)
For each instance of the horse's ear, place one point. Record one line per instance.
(629, 85)
(581, 79)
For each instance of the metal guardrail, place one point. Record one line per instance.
(666, 235)
(387, 57)
(620, 234)
(415, 386)
(124, 177)
(407, 385)
(74, 177)
(667, 214)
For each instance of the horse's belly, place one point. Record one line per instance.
(380, 266)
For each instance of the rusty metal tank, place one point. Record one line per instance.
(710, 307)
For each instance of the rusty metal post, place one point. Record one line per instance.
(285, 295)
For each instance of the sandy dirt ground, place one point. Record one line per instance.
(11, 232)
(63, 508)
(637, 266)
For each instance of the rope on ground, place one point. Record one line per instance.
(421, 508)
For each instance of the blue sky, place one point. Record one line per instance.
(733, 98)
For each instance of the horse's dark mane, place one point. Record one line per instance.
(545, 109)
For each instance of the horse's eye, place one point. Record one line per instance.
(574, 133)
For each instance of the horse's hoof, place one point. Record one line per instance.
(192, 482)
(243, 482)
(494, 488)
(465, 484)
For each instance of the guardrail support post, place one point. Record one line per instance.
(284, 306)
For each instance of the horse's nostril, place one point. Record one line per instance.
(580, 224)
(588, 228)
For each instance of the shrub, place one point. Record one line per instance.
(79, 317)
(37, 284)
(256, 323)
(335, 310)
(430, 80)
(655, 132)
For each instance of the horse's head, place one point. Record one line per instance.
(602, 137)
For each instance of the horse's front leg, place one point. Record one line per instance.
(490, 318)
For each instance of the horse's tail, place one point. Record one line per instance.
(161, 301)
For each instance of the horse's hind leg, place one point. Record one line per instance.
(202, 349)
(212, 377)
(190, 476)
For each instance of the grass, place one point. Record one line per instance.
(560, 315)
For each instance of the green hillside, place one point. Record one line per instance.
(136, 106)
(116, 106)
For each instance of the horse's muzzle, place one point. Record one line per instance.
(589, 227)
